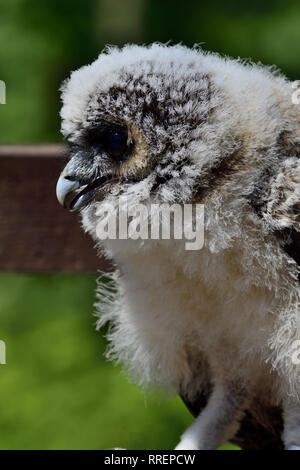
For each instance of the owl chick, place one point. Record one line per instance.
(219, 326)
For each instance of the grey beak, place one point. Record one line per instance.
(64, 187)
(68, 185)
(80, 192)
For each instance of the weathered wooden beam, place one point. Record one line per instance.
(36, 234)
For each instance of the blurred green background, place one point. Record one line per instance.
(57, 391)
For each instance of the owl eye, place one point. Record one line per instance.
(109, 139)
(115, 143)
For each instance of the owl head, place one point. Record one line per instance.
(166, 124)
(142, 120)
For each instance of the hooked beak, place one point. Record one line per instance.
(64, 187)
(74, 195)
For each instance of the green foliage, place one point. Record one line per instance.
(41, 42)
(57, 390)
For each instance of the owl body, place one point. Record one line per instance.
(158, 124)
(178, 310)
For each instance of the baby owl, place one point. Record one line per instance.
(220, 325)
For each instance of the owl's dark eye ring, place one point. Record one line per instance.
(110, 140)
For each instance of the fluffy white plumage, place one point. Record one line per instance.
(219, 324)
